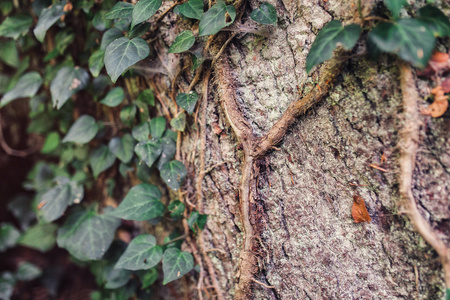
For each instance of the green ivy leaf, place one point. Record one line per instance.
(144, 9)
(116, 278)
(197, 220)
(9, 54)
(99, 22)
(139, 30)
(187, 101)
(109, 36)
(147, 277)
(101, 159)
(142, 203)
(51, 143)
(141, 132)
(173, 173)
(26, 86)
(142, 254)
(9, 236)
(437, 22)
(265, 14)
(149, 151)
(179, 123)
(128, 114)
(123, 53)
(215, 18)
(114, 97)
(96, 62)
(447, 294)
(16, 26)
(66, 83)
(40, 237)
(87, 235)
(183, 42)
(394, 6)
(82, 131)
(147, 97)
(122, 10)
(7, 282)
(176, 209)
(157, 127)
(176, 264)
(55, 201)
(169, 148)
(122, 147)
(193, 9)
(27, 271)
(47, 18)
(328, 39)
(409, 39)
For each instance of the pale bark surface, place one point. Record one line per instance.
(310, 247)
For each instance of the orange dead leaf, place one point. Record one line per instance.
(440, 104)
(439, 57)
(68, 7)
(359, 210)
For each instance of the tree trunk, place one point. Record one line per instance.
(304, 242)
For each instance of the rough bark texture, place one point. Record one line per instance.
(309, 246)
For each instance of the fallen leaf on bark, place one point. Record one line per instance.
(440, 104)
(359, 210)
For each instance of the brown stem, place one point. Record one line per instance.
(10, 151)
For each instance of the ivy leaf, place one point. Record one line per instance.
(122, 54)
(54, 202)
(265, 14)
(215, 18)
(144, 9)
(197, 220)
(328, 39)
(147, 97)
(96, 62)
(40, 237)
(141, 132)
(179, 123)
(7, 282)
(27, 271)
(114, 97)
(128, 114)
(408, 38)
(9, 54)
(51, 143)
(193, 9)
(122, 10)
(15, 26)
(139, 30)
(66, 83)
(142, 254)
(109, 36)
(116, 278)
(82, 131)
(87, 235)
(101, 159)
(26, 86)
(176, 264)
(394, 6)
(9, 236)
(149, 151)
(173, 173)
(183, 42)
(437, 22)
(122, 147)
(157, 127)
(147, 277)
(47, 18)
(142, 203)
(187, 101)
(169, 148)
(176, 209)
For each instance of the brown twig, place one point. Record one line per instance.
(263, 284)
(10, 151)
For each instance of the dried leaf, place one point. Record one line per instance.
(359, 210)
(439, 63)
(440, 104)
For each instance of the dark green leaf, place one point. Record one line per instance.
(87, 235)
(123, 148)
(63, 39)
(140, 204)
(101, 159)
(437, 22)
(16, 26)
(9, 54)
(142, 254)
(40, 237)
(169, 148)
(82, 131)
(27, 271)
(141, 132)
(179, 123)
(176, 264)
(394, 6)
(265, 14)
(26, 86)
(176, 209)
(20, 207)
(147, 277)
(215, 18)
(197, 220)
(96, 62)
(149, 151)
(187, 101)
(47, 18)
(147, 97)
(114, 97)
(157, 127)
(447, 294)
(332, 35)
(109, 36)
(51, 143)
(409, 39)
(123, 53)
(122, 10)
(139, 30)
(67, 82)
(173, 173)
(144, 9)
(193, 9)
(7, 282)
(116, 278)
(183, 42)
(100, 22)
(9, 236)
(128, 114)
